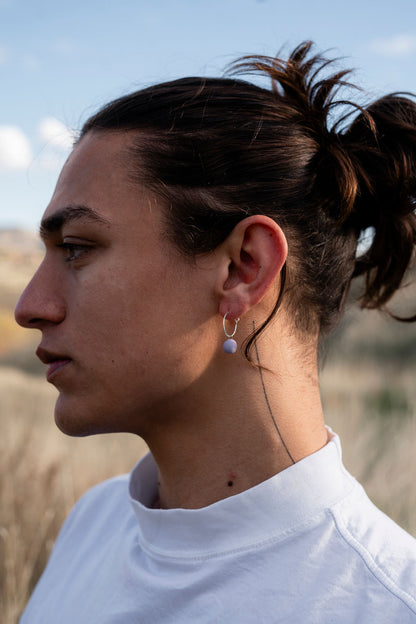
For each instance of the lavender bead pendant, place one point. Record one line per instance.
(230, 345)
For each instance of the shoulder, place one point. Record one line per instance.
(104, 494)
(387, 551)
(97, 507)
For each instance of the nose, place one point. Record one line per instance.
(40, 303)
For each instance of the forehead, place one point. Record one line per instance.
(96, 176)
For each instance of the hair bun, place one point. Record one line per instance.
(364, 175)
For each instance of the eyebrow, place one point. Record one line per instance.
(54, 223)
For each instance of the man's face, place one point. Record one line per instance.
(124, 317)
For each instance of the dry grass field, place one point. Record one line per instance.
(368, 391)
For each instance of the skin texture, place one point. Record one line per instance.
(132, 334)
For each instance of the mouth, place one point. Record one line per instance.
(55, 361)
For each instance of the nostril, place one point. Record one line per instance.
(34, 321)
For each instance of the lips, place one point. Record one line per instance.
(56, 361)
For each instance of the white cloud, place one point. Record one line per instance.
(397, 45)
(15, 151)
(57, 141)
(55, 134)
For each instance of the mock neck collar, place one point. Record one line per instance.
(269, 511)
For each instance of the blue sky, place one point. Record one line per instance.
(59, 61)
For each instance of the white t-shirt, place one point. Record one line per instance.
(304, 547)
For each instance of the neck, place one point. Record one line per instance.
(225, 437)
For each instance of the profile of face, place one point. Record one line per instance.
(126, 320)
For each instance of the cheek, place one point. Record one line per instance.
(120, 318)
(110, 301)
(142, 326)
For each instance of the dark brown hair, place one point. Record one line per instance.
(218, 150)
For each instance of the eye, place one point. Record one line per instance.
(74, 251)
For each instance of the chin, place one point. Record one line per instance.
(78, 417)
(72, 427)
(72, 420)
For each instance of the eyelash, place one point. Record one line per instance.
(74, 251)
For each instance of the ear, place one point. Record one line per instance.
(252, 257)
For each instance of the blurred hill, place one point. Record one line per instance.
(374, 336)
(20, 255)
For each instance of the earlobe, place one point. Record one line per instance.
(254, 254)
